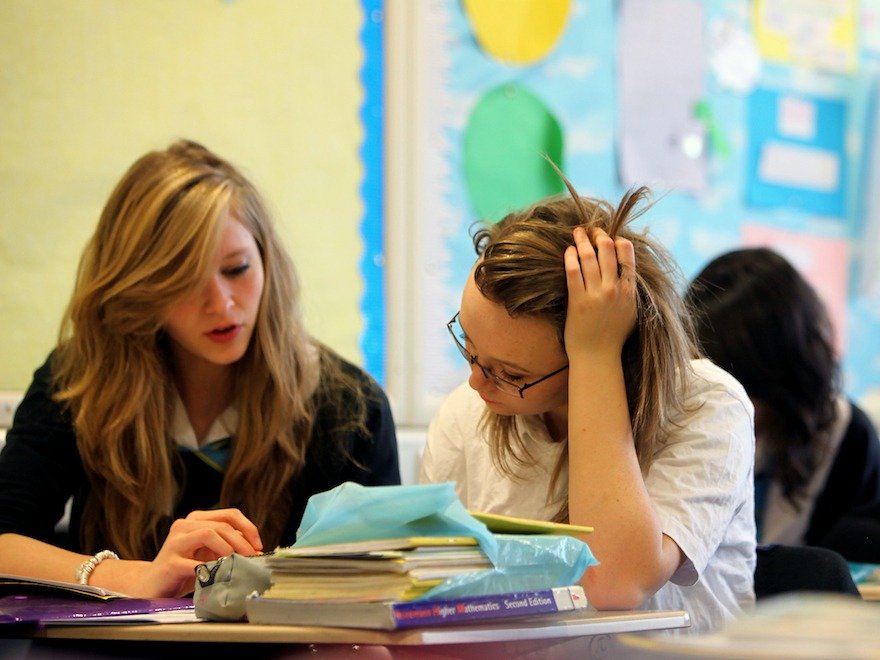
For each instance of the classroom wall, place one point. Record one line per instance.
(87, 86)
(754, 122)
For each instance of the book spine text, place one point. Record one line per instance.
(425, 613)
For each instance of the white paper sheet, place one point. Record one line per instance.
(662, 66)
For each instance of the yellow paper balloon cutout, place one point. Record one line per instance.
(518, 31)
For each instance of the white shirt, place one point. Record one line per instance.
(184, 435)
(701, 485)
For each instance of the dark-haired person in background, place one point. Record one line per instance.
(817, 471)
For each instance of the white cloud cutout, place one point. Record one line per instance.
(710, 243)
(578, 68)
(589, 139)
(716, 197)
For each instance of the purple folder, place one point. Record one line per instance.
(45, 609)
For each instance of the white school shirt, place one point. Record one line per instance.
(700, 483)
(184, 435)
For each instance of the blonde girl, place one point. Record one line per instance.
(185, 410)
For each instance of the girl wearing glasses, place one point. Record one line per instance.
(587, 403)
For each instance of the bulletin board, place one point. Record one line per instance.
(752, 121)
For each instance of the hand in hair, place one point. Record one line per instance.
(606, 486)
(601, 293)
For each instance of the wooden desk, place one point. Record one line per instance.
(793, 625)
(576, 631)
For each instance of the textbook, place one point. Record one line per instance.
(413, 614)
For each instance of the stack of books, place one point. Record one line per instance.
(379, 583)
(374, 570)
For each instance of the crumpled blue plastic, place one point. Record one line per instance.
(352, 512)
(525, 562)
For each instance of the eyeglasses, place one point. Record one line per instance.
(500, 383)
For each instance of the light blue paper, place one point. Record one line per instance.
(351, 512)
(525, 562)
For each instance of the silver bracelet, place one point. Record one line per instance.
(85, 569)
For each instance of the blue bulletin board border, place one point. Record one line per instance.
(372, 265)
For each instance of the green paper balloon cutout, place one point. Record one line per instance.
(507, 136)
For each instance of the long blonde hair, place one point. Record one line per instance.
(153, 245)
(521, 268)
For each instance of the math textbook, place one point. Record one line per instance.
(414, 614)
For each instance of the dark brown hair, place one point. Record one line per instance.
(759, 319)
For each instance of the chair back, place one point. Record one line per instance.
(785, 568)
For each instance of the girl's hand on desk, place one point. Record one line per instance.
(601, 293)
(201, 536)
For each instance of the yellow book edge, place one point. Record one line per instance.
(501, 524)
(376, 545)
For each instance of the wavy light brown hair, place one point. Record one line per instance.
(154, 245)
(521, 267)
